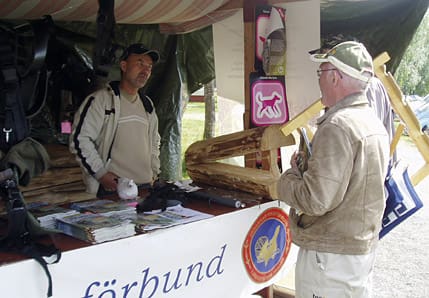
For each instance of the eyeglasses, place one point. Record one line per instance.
(319, 71)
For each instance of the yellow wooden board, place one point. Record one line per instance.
(405, 113)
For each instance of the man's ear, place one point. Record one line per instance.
(123, 65)
(335, 78)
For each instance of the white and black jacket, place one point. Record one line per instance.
(94, 128)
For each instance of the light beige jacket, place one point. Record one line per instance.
(341, 195)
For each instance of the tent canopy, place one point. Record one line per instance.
(177, 16)
(187, 60)
(384, 25)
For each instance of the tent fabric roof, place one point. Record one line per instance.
(126, 11)
(174, 16)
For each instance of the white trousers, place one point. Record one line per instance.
(327, 275)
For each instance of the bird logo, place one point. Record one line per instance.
(267, 244)
(266, 248)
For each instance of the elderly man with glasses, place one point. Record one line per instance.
(337, 204)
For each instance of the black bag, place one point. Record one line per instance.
(23, 229)
(23, 81)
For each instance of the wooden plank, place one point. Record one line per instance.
(62, 183)
(60, 156)
(236, 4)
(54, 177)
(60, 188)
(249, 56)
(60, 198)
(404, 111)
(53, 196)
(396, 137)
(302, 119)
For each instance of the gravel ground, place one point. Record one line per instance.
(402, 263)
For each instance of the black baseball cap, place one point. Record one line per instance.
(139, 48)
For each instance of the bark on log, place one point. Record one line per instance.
(237, 144)
(251, 180)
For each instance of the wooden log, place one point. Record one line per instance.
(237, 144)
(251, 180)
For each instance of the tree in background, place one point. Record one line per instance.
(210, 110)
(412, 73)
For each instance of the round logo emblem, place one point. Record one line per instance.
(267, 245)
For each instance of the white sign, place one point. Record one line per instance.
(199, 259)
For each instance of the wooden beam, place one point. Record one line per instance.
(267, 158)
(404, 111)
(302, 119)
(235, 4)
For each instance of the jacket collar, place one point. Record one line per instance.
(355, 99)
(114, 85)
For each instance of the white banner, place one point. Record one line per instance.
(200, 259)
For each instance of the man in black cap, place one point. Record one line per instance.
(115, 130)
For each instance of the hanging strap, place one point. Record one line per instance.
(37, 251)
(22, 86)
(22, 243)
(15, 127)
(104, 51)
(19, 238)
(15, 123)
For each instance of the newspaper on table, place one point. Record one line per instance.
(157, 219)
(47, 213)
(105, 207)
(95, 228)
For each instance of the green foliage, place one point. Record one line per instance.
(192, 129)
(412, 74)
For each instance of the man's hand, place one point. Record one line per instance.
(294, 160)
(298, 161)
(109, 181)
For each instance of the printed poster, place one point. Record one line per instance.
(270, 40)
(268, 100)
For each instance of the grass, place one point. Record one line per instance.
(192, 128)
